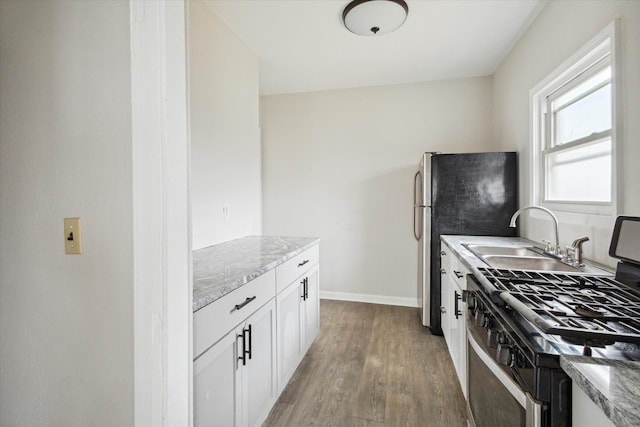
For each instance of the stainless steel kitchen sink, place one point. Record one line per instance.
(538, 263)
(503, 250)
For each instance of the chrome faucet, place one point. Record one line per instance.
(555, 222)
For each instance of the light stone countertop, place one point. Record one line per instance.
(222, 268)
(613, 385)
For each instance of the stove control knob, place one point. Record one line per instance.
(479, 318)
(504, 354)
(471, 302)
(520, 360)
(488, 321)
(493, 337)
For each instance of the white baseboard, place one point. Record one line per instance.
(375, 299)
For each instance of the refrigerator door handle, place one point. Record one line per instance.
(416, 205)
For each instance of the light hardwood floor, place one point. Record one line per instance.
(372, 365)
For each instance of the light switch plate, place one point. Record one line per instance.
(72, 236)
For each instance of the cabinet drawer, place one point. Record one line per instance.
(215, 320)
(296, 267)
(446, 258)
(459, 272)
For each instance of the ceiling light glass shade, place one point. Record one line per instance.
(374, 17)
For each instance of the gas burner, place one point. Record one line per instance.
(589, 312)
(590, 295)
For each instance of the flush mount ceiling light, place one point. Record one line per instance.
(374, 17)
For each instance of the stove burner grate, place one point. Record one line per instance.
(585, 308)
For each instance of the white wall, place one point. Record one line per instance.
(340, 165)
(558, 32)
(225, 134)
(66, 321)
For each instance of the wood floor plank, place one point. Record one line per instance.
(372, 365)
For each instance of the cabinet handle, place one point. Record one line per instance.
(443, 271)
(250, 352)
(442, 309)
(245, 352)
(458, 274)
(244, 348)
(303, 283)
(303, 263)
(306, 288)
(443, 253)
(247, 301)
(456, 309)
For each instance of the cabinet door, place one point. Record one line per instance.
(459, 330)
(445, 306)
(289, 332)
(216, 397)
(459, 335)
(259, 374)
(311, 307)
(445, 291)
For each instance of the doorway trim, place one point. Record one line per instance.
(162, 292)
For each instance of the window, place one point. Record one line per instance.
(574, 132)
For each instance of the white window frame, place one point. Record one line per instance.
(570, 73)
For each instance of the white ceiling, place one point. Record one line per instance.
(302, 45)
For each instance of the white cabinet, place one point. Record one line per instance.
(298, 306)
(216, 399)
(445, 292)
(453, 319)
(289, 332)
(248, 343)
(259, 384)
(458, 345)
(235, 380)
(311, 307)
(584, 411)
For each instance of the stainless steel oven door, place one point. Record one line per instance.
(495, 399)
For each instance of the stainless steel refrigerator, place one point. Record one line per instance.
(463, 194)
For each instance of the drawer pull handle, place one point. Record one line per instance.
(458, 274)
(247, 301)
(303, 263)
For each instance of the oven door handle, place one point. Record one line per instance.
(534, 412)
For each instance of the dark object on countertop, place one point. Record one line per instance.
(628, 274)
(625, 245)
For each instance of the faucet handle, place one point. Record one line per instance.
(547, 245)
(579, 241)
(577, 248)
(569, 254)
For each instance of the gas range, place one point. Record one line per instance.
(519, 324)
